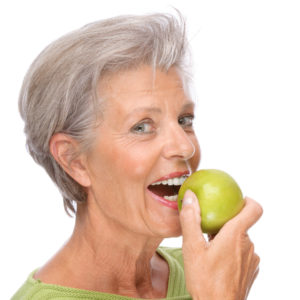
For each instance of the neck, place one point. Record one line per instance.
(115, 259)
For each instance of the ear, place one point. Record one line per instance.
(63, 148)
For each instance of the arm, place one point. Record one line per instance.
(226, 267)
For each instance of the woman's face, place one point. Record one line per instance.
(146, 137)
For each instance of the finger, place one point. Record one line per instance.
(253, 269)
(248, 216)
(252, 281)
(256, 261)
(190, 220)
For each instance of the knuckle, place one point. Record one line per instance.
(255, 207)
(256, 259)
(259, 209)
(251, 246)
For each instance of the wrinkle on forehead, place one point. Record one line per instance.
(112, 85)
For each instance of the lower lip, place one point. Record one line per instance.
(163, 201)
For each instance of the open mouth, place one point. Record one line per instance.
(167, 189)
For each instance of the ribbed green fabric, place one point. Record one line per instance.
(36, 290)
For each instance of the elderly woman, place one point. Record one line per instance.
(109, 115)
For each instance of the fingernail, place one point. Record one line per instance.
(187, 201)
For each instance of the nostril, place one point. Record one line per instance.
(178, 143)
(192, 152)
(188, 150)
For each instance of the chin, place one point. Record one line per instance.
(168, 230)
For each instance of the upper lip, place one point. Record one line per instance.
(172, 175)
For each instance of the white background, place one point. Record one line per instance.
(247, 75)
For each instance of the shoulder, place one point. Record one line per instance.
(27, 289)
(34, 289)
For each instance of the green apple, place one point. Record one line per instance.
(220, 198)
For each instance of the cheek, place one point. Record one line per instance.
(132, 163)
(138, 170)
(195, 160)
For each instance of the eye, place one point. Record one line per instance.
(186, 121)
(145, 126)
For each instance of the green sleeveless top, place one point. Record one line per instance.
(34, 289)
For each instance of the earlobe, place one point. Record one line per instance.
(63, 149)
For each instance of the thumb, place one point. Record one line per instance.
(190, 220)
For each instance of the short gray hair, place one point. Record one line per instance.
(60, 90)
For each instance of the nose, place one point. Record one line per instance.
(178, 144)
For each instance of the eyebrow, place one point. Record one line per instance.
(188, 105)
(146, 109)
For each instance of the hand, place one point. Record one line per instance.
(226, 267)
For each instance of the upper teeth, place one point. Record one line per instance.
(172, 181)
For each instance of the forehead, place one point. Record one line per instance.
(142, 85)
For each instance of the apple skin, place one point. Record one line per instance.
(220, 198)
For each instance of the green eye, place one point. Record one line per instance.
(186, 121)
